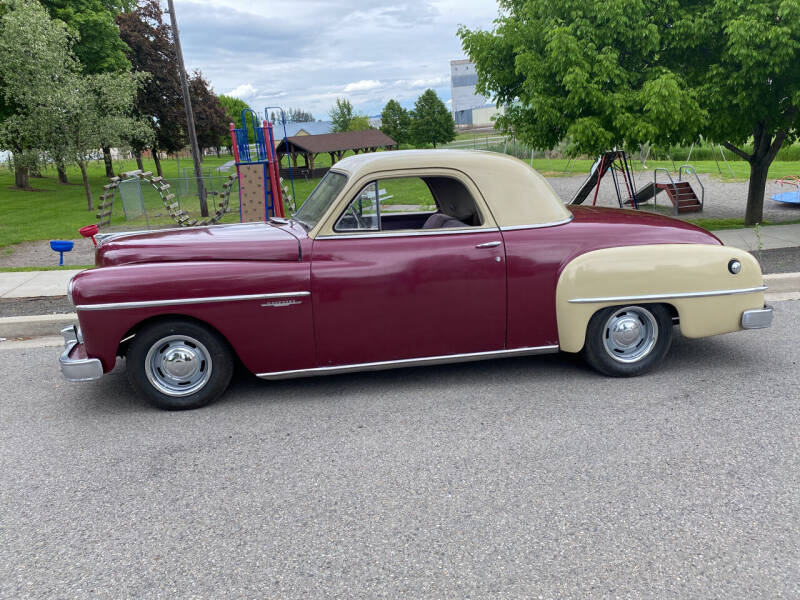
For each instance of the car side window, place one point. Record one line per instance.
(410, 203)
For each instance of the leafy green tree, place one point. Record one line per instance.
(359, 122)
(94, 109)
(396, 122)
(36, 60)
(341, 115)
(233, 108)
(431, 122)
(98, 45)
(612, 73)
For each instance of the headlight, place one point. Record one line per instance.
(69, 292)
(734, 266)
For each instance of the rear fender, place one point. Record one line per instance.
(692, 278)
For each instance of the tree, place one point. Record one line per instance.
(396, 122)
(209, 116)
(159, 100)
(98, 45)
(341, 115)
(605, 74)
(359, 122)
(233, 108)
(431, 122)
(37, 58)
(297, 115)
(98, 108)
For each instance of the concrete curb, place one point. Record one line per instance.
(35, 325)
(782, 282)
(781, 286)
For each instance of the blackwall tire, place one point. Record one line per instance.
(626, 341)
(179, 364)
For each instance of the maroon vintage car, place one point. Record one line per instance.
(402, 259)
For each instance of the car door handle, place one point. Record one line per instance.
(489, 245)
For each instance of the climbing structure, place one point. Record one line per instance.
(174, 210)
(260, 190)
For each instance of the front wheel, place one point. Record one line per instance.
(179, 364)
(628, 341)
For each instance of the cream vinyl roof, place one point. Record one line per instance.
(515, 194)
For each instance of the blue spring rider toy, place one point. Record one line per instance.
(61, 246)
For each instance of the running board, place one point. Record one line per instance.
(409, 362)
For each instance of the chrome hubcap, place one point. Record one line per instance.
(178, 365)
(630, 334)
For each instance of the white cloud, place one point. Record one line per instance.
(243, 91)
(362, 86)
(367, 50)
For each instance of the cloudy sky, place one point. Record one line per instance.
(306, 53)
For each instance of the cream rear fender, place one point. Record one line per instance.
(695, 279)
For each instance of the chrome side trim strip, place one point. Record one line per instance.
(405, 233)
(180, 301)
(670, 296)
(538, 226)
(409, 362)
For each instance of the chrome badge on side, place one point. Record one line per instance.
(278, 303)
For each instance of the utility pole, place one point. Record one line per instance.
(187, 103)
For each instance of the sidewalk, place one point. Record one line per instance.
(34, 284)
(770, 237)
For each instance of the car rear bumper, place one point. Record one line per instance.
(759, 318)
(75, 365)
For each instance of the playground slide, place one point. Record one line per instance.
(599, 169)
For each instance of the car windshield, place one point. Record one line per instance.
(318, 202)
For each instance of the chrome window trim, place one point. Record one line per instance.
(409, 362)
(410, 233)
(180, 301)
(669, 296)
(538, 226)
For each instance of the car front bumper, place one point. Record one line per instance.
(75, 365)
(759, 318)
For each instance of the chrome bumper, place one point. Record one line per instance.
(759, 318)
(77, 368)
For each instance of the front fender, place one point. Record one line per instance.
(693, 278)
(266, 333)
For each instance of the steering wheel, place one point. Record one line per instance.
(360, 223)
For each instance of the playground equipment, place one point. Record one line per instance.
(680, 193)
(89, 231)
(788, 197)
(168, 199)
(61, 246)
(260, 191)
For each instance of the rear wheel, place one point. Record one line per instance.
(628, 341)
(179, 364)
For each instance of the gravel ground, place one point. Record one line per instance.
(39, 254)
(723, 200)
(522, 478)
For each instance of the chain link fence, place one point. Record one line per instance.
(142, 205)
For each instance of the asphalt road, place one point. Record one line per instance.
(524, 478)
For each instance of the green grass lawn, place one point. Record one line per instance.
(56, 211)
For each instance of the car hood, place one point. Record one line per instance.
(247, 241)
